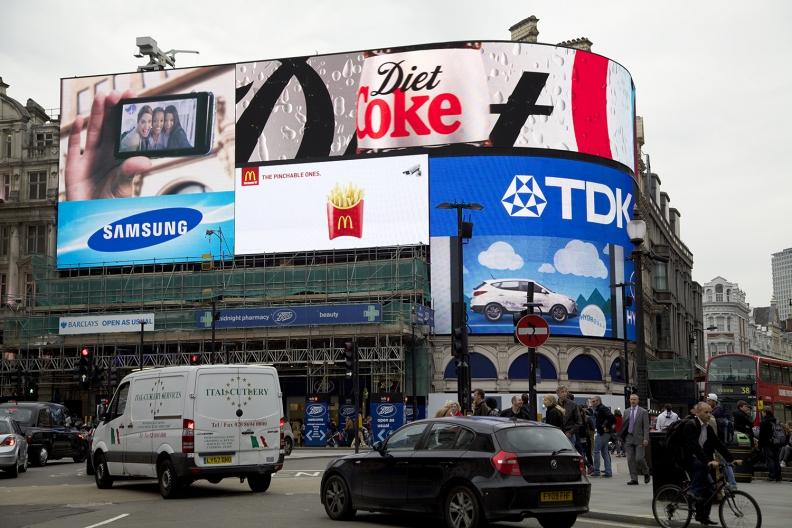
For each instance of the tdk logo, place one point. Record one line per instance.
(525, 198)
(145, 229)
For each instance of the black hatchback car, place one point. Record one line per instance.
(469, 470)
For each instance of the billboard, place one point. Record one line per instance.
(147, 167)
(320, 314)
(484, 94)
(105, 324)
(559, 224)
(341, 204)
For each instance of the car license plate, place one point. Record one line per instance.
(225, 459)
(555, 496)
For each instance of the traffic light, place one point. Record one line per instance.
(84, 369)
(195, 359)
(16, 376)
(112, 376)
(32, 388)
(458, 344)
(97, 375)
(350, 358)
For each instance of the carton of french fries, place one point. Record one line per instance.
(345, 211)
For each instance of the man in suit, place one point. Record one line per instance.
(701, 441)
(635, 433)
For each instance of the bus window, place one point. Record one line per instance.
(778, 411)
(764, 372)
(785, 376)
(732, 368)
(775, 374)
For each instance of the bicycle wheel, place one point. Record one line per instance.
(671, 508)
(739, 509)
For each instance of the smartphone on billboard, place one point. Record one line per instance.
(165, 125)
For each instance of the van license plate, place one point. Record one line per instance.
(555, 496)
(218, 459)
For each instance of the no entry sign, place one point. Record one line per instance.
(532, 331)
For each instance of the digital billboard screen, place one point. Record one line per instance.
(559, 224)
(147, 167)
(485, 94)
(340, 204)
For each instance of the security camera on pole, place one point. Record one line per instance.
(532, 331)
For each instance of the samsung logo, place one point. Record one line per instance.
(386, 410)
(315, 410)
(145, 229)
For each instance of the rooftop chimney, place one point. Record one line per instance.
(3, 87)
(525, 30)
(582, 44)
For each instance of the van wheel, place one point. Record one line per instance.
(288, 445)
(462, 509)
(102, 473)
(259, 483)
(493, 311)
(558, 313)
(557, 520)
(169, 484)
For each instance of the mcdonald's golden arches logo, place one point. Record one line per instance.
(345, 222)
(250, 176)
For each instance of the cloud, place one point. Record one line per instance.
(580, 258)
(606, 249)
(546, 268)
(500, 256)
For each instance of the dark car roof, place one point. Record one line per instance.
(486, 424)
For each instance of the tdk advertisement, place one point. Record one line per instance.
(559, 224)
(153, 229)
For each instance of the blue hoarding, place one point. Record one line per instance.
(317, 424)
(319, 314)
(386, 417)
(558, 223)
(171, 228)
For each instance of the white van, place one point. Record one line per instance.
(180, 424)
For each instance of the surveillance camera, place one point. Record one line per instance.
(415, 169)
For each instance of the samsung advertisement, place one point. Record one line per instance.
(555, 223)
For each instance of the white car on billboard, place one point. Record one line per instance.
(496, 297)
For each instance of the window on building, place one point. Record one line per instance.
(660, 276)
(710, 321)
(5, 237)
(729, 347)
(3, 288)
(709, 295)
(719, 293)
(8, 145)
(36, 239)
(713, 349)
(5, 186)
(728, 295)
(43, 140)
(728, 324)
(104, 86)
(37, 185)
(720, 323)
(84, 101)
(30, 290)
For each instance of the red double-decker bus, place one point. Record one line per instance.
(760, 381)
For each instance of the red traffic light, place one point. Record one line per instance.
(84, 352)
(194, 359)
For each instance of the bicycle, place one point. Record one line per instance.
(674, 506)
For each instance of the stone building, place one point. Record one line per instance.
(726, 316)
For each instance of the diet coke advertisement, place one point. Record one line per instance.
(422, 98)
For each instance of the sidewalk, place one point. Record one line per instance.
(612, 499)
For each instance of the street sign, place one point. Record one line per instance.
(532, 331)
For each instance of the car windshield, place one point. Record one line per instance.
(5, 427)
(532, 439)
(19, 414)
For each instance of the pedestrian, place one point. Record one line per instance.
(585, 437)
(449, 408)
(700, 443)
(554, 413)
(635, 434)
(785, 455)
(770, 443)
(571, 415)
(720, 417)
(604, 422)
(492, 403)
(480, 407)
(349, 431)
(516, 411)
(743, 421)
(617, 415)
(666, 418)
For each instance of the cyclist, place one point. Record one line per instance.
(701, 442)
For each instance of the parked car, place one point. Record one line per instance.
(497, 297)
(468, 470)
(49, 430)
(13, 447)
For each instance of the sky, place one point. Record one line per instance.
(713, 82)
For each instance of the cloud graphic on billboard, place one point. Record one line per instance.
(580, 258)
(546, 268)
(606, 249)
(500, 256)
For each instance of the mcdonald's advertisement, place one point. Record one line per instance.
(332, 205)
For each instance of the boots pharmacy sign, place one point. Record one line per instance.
(105, 324)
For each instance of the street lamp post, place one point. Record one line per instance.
(459, 340)
(636, 230)
(626, 362)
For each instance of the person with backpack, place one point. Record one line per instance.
(771, 439)
(743, 422)
(692, 444)
(604, 422)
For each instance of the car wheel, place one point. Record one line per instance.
(169, 484)
(42, 455)
(462, 508)
(557, 520)
(259, 483)
(558, 313)
(89, 467)
(102, 473)
(13, 471)
(493, 311)
(288, 445)
(337, 500)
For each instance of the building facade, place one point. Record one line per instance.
(782, 284)
(766, 335)
(727, 318)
